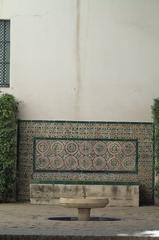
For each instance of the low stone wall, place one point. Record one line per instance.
(118, 195)
(113, 153)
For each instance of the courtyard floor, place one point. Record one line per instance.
(27, 219)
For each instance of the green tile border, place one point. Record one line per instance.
(89, 182)
(88, 122)
(154, 159)
(85, 139)
(17, 162)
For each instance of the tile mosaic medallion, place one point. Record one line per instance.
(85, 155)
(85, 152)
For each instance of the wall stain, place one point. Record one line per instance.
(78, 60)
(1, 7)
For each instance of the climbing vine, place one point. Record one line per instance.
(8, 130)
(155, 111)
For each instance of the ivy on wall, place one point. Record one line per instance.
(155, 111)
(8, 131)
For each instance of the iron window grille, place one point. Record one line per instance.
(4, 52)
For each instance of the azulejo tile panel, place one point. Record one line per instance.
(71, 135)
(85, 155)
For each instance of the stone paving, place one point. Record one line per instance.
(24, 218)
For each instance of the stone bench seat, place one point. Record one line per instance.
(118, 195)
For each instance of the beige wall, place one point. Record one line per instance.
(84, 59)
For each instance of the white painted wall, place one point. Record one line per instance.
(84, 59)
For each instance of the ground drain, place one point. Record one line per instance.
(91, 219)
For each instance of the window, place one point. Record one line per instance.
(4, 52)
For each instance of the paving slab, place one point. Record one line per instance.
(32, 220)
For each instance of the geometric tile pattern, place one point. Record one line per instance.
(138, 133)
(85, 155)
(4, 52)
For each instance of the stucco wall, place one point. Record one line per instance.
(84, 59)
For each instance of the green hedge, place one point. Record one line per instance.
(8, 132)
(155, 111)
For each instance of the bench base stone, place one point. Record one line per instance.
(118, 195)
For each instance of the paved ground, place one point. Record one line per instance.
(33, 219)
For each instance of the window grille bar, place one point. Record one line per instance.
(4, 52)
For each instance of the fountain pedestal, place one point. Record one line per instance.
(84, 214)
(84, 205)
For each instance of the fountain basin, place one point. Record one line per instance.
(84, 205)
(87, 202)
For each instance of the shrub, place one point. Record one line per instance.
(8, 131)
(155, 111)
(157, 189)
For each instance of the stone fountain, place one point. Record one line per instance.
(84, 204)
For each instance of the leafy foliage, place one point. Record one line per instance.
(157, 189)
(8, 129)
(155, 111)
